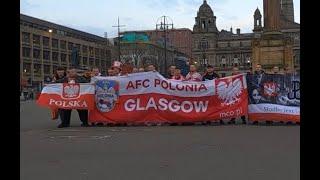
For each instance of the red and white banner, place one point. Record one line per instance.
(149, 97)
(67, 96)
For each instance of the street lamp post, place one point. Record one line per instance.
(119, 47)
(164, 26)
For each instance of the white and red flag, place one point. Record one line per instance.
(67, 96)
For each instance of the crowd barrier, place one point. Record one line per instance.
(150, 98)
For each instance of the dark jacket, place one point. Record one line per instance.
(78, 79)
(210, 76)
(87, 78)
(259, 79)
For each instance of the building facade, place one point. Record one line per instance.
(180, 39)
(138, 49)
(45, 46)
(226, 49)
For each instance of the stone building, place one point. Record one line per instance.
(226, 49)
(180, 38)
(45, 46)
(138, 49)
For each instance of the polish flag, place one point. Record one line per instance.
(67, 96)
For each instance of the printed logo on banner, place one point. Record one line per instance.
(107, 95)
(270, 89)
(229, 90)
(70, 90)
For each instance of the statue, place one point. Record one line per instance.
(75, 57)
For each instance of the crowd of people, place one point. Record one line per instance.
(174, 73)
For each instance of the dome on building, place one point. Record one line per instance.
(205, 8)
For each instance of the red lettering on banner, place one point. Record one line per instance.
(180, 89)
(164, 84)
(144, 83)
(130, 85)
(68, 104)
(138, 84)
(190, 86)
(156, 82)
(202, 86)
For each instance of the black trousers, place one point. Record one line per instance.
(65, 115)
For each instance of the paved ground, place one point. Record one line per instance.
(236, 152)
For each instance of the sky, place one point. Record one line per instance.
(98, 16)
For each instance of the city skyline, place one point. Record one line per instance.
(103, 14)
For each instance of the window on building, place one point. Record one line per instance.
(102, 54)
(91, 61)
(203, 25)
(70, 45)
(90, 51)
(235, 61)
(36, 40)
(63, 44)
(36, 53)
(27, 67)
(46, 69)
(45, 41)
(84, 49)
(85, 61)
(78, 47)
(55, 56)
(97, 52)
(297, 59)
(63, 57)
(54, 68)
(37, 68)
(103, 63)
(46, 55)
(223, 61)
(55, 43)
(26, 37)
(97, 62)
(26, 52)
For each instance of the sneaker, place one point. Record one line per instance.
(62, 126)
(85, 125)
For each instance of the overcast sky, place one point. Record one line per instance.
(98, 16)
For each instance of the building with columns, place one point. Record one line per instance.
(226, 49)
(45, 46)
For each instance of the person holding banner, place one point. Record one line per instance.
(151, 68)
(65, 114)
(116, 67)
(170, 72)
(177, 75)
(259, 76)
(141, 69)
(95, 72)
(193, 75)
(58, 75)
(135, 70)
(210, 74)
